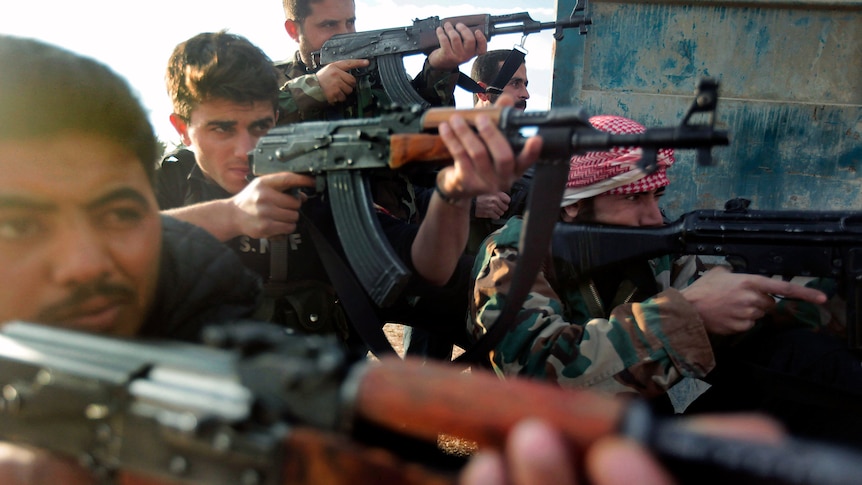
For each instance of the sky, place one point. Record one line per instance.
(136, 38)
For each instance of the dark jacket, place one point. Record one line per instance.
(201, 282)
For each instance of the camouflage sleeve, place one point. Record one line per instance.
(436, 87)
(830, 317)
(644, 347)
(301, 98)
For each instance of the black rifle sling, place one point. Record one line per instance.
(535, 241)
(359, 310)
(278, 260)
(467, 83)
(513, 62)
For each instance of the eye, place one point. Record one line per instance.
(118, 218)
(260, 129)
(223, 128)
(16, 229)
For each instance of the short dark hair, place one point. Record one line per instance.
(46, 90)
(219, 65)
(486, 67)
(298, 10)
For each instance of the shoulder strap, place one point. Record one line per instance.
(510, 66)
(359, 310)
(535, 241)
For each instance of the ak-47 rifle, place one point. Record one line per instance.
(338, 152)
(386, 48)
(266, 408)
(784, 243)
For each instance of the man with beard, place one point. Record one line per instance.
(82, 243)
(488, 209)
(637, 328)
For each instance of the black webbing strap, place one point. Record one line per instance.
(539, 220)
(278, 259)
(359, 309)
(507, 70)
(510, 66)
(467, 83)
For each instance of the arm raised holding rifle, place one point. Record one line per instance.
(344, 87)
(338, 72)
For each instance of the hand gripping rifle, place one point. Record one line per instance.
(779, 242)
(386, 48)
(339, 152)
(268, 408)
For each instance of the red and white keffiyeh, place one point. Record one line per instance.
(614, 171)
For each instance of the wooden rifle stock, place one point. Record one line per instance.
(428, 147)
(276, 409)
(426, 399)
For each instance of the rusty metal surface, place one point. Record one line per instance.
(791, 92)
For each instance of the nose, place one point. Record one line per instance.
(524, 93)
(81, 254)
(245, 143)
(651, 213)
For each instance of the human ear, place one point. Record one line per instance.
(570, 212)
(292, 29)
(182, 128)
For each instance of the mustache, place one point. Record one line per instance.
(521, 104)
(81, 294)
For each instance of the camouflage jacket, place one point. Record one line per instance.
(302, 99)
(648, 339)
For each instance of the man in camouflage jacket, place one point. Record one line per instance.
(639, 328)
(332, 92)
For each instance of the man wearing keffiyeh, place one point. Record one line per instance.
(637, 328)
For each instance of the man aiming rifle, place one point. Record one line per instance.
(262, 407)
(85, 248)
(82, 243)
(640, 326)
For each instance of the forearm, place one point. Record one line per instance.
(436, 86)
(213, 216)
(659, 341)
(644, 347)
(301, 99)
(441, 239)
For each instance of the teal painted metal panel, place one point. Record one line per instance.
(791, 92)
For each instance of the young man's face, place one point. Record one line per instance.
(221, 133)
(80, 234)
(638, 210)
(328, 17)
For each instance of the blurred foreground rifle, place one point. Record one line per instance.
(339, 152)
(273, 409)
(386, 48)
(779, 242)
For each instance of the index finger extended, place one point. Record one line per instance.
(787, 289)
(282, 181)
(348, 64)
